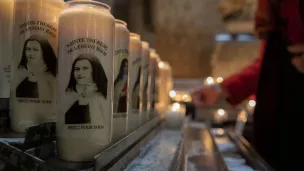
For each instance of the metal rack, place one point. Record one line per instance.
(36, 150)
(248, 152)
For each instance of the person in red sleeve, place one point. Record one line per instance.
(277, 79)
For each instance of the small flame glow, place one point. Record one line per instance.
(175, 107)
(221, 112)
(252, 103)
(172, 93)
(219, 80)
(209, 80)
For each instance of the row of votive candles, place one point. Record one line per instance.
(73, 63)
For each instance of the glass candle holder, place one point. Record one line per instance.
(121, 77)
(34, 64)
(134, 82)
(85, 80)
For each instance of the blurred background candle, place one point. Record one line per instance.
(144, 82)
(209, 81)
(6, 52)
(134, 82)
(34, 65)
(175, 116)
(240, 123)
(220, 116)
(85, 78)
(251, 105)
(219, 80)
(121, 59)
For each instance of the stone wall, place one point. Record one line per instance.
(183, 32)
(230, 57)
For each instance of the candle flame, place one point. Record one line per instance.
(252, 103)
(161, 64)
(220, 131)
(209, 80)
(219, 80)
(221, 112)
(175, 107)
(172, 93)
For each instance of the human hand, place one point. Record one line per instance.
(206, 96)
(298, 60)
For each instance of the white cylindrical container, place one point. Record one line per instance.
(121, 58)
(6, 51)
(152, 82)
(144, 83)
(134, 82)
(34, 65)
(157, 91)
(85, 78)
(163, 88)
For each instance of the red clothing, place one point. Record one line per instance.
(243, 84)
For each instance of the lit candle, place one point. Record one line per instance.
(240, 123)
(175, 115)
(251, 105)
(121, 59)
(134, 82)
(219, 79)
(220, 116)
(152, 81)
(144, 82)
(6, 26)
(209, 81)
(34, 66)
(172, 94)
(85, 78)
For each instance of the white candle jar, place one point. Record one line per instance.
(85, 78)
(152, 81)
(144, 82)
(163, 97)
(134, 82)
(34, 65)
(121, 58)
(6, 51)
(240, 123)
(175, 116)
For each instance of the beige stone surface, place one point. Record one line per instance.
(184, 35)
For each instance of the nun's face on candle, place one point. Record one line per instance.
(33, 52)
(83, 72)
(126, 68)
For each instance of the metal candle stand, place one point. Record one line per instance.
(37, 150)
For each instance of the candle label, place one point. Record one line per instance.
(152, 88)
(86, 97)
(121, 80)
(144, 86)
(135, 73)
(85, 78)
(34, 65)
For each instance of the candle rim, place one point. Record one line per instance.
(135, 35)
(145, 43)
(152, 50)
(118, 21)
(92, 2)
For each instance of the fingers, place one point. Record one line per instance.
(298, 64)
(298, 48)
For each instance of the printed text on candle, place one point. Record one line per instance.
(83, 43)
(38, 26)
